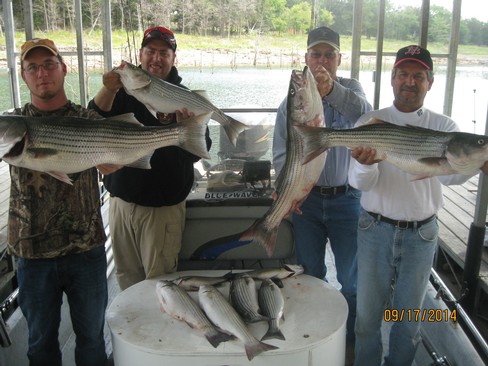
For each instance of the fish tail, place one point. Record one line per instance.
(313, 144)
(254, 349)
(261, 235)
(193, 140)
(273, 332)
(232, 127)
(215, 338)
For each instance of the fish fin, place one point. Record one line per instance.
(126, 117)
(278, 282)
(273, 332)
(258, 233)
(193, 140)
(202, 93)
(63, 177)
(296, 269)
(312, 142)
(374, 121)
(256, 348)
(142, 163)
(232, 127)
(215, 338)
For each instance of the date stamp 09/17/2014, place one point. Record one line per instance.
(420, 315)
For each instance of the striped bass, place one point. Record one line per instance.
(160, 96)
(272, 303)
(419, 151)
(224, 316)
(296, 180)
(176, 302)
(244, 297)
(193, 283)
(65, 145)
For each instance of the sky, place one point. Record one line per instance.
(469, 8)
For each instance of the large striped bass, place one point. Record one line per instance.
(244, 297)
(160, 96)
(272, 304)
(63, 145)
(224, 316)
(296, 180)
(176, 302)
(419, 151)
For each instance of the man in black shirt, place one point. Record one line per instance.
(147, 207)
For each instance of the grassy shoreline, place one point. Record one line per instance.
(245, 50)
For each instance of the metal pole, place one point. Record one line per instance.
(8, 18)
(379, 54)
(79, 47)
(356, 38)
(107, 35)
(452, 57)
(476, 239)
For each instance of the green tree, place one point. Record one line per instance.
(299, 17)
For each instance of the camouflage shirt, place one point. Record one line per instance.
(49, 218)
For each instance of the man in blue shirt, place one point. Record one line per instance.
(331, 210)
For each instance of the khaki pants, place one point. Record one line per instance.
(145, 240)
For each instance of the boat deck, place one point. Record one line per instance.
(454, 222)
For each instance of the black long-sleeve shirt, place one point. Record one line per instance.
(171, 177)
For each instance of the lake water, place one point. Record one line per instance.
(264, 87)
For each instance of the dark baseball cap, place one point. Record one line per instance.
(162, 33)
(323, 35)
(414, 53)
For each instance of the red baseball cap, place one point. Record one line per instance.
(162, 33)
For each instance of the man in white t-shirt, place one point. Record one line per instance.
(397, 230)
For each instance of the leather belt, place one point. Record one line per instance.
(401, 224)
(330, 191)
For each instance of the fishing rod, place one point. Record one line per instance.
(449, 299)
(437, 360)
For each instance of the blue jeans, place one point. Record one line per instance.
(42, 282)
(393, 271)
(333, 218)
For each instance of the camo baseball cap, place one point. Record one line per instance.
(38, 42)
(323, 35)
(414, 53)
(159, 33)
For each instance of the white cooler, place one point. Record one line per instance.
(314, 327)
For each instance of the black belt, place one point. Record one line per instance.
(330, 191)
(401, 224)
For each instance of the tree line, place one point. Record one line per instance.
(228, 18)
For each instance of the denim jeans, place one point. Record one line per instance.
(333, 218)
(42, 282)
(393, 271)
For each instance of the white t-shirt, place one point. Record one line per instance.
(393, 193)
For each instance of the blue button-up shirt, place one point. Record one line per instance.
(342, 107)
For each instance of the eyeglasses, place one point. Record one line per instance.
(328, 55)
(33, 69)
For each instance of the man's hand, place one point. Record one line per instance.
(111, 81)
(295, 205)
(365, 155)
(183, 114)
(325, 83)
